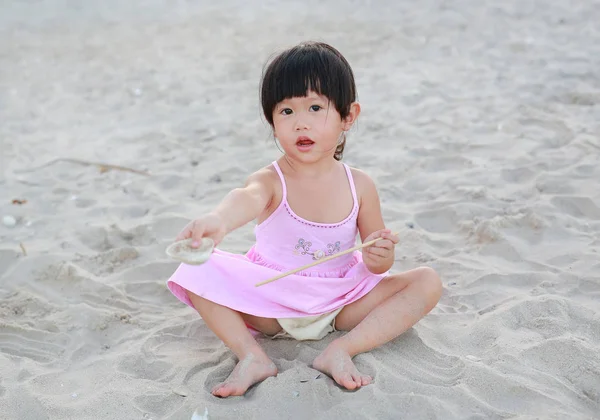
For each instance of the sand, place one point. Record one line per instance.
(480, 125)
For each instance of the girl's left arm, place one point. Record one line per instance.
(378, 257)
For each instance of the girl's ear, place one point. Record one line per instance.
(352, 116)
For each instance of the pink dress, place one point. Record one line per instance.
(284, 242)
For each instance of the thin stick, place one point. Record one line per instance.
(322, 260)
(103, 166)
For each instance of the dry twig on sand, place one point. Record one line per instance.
(104, 167)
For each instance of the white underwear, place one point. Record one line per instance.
(308, 328)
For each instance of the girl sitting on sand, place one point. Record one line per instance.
(307, 205)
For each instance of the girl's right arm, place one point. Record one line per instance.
(238, 207)
(242, 205)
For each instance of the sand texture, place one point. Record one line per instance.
(480, 125)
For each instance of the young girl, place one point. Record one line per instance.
(307, 205)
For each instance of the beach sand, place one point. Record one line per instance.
(480, 126)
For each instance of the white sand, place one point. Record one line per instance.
(480, 124)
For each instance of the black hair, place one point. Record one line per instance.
(314, 66)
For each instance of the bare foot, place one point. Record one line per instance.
(247, 372)
(338, 364)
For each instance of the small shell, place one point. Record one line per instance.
(9, 221)
(181, 390)
(183, 251)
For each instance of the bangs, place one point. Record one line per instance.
(299, 74)
(314, 66)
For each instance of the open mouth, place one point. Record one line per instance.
(304, 142)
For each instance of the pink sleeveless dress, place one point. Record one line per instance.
(284, 241)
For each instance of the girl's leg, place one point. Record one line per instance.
(391, 308)
(253, 363)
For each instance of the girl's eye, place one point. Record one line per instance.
(286, 111)
(315, 107)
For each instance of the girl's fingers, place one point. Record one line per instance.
(184, 234)
(384, 243)
(372, 236)
(197, 237)
(394, 239)
(194, 231)
(380, 252)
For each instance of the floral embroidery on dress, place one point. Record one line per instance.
(305, 246)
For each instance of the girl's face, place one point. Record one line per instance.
(309, 127)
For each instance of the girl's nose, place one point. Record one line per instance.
(301, 125)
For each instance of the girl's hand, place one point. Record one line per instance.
(382, 251)
(207, 226)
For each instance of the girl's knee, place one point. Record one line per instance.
(431, 284)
